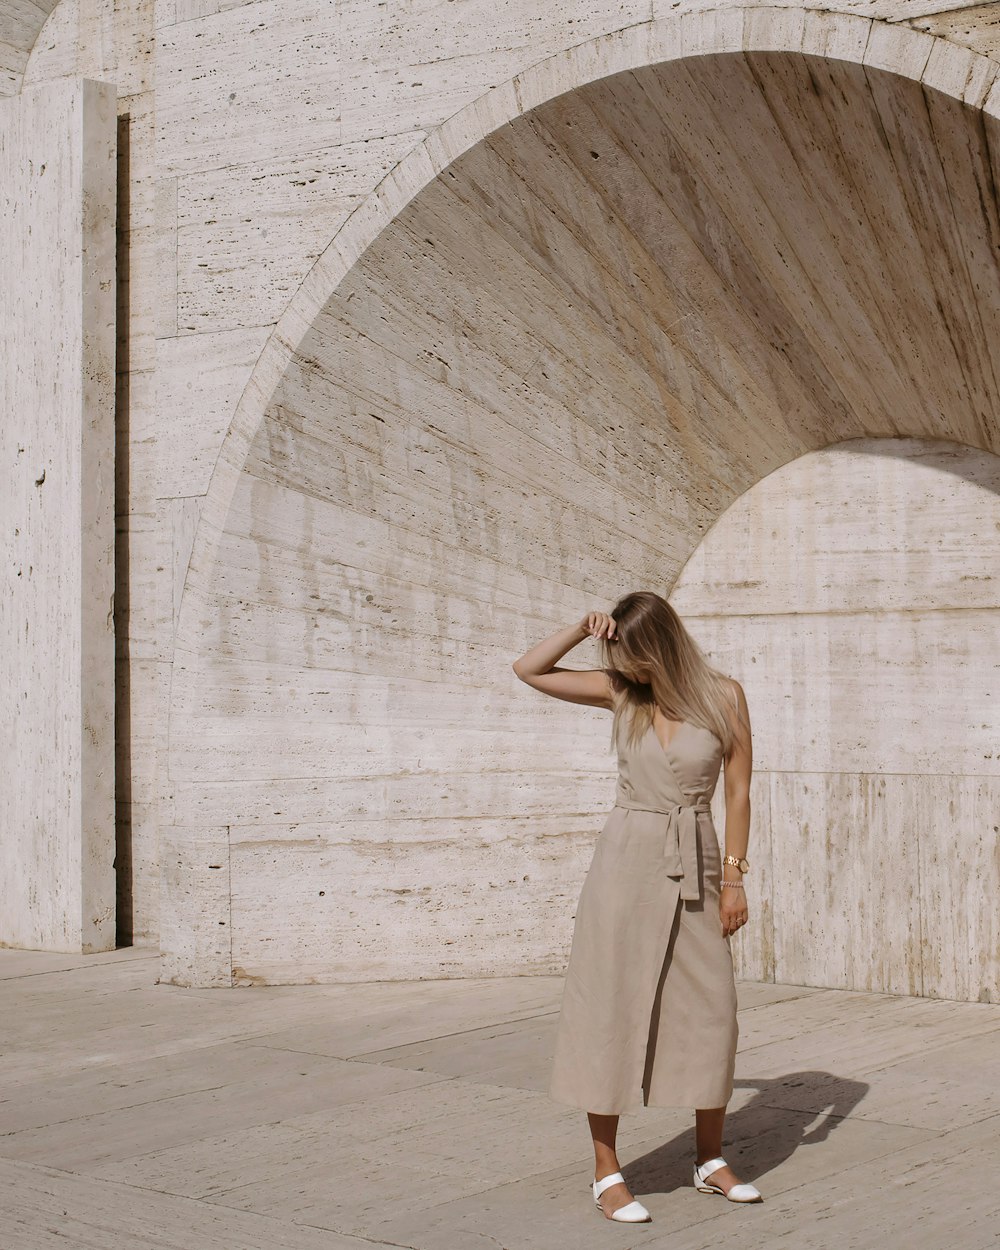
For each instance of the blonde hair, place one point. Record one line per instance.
(653, 661)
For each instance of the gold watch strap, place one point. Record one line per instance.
(742, 863)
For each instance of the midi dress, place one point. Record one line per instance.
(649, 1000)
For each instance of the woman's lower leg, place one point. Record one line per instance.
(604, 1131)
(708, 1133)
(708, 1145)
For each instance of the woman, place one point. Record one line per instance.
(650, 997)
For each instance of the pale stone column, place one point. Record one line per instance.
(58, 149)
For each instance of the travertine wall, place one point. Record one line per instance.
(856, 592)
(633, 304)
(57, 444)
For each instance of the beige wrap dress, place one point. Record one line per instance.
(649, 1000)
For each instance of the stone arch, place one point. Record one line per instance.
(296, 366)
(20, 26)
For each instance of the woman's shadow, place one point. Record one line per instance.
(759, 1135)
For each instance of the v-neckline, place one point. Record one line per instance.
(666, 749)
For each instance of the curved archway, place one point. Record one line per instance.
(667, 262)
(958, 73)
(20, 26)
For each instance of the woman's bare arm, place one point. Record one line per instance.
(538, 668)
(739, 765)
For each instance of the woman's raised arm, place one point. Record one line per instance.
(538, 668)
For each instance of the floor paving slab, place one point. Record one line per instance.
(862, 1030)
(260, 1085)
(46, 1209)
(120, 1013)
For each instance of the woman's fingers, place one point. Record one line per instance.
(600, 624)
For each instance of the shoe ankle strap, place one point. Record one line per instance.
(711, 1165)
(606, 1182)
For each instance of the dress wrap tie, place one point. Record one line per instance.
(680, 842)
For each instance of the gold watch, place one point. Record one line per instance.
(742, 864)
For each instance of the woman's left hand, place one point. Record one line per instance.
(732, 910)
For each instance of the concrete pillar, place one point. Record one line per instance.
(58, 153)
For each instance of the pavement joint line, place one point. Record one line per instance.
(438, 1037)
(925, 1048)
(777, 1002)
(284, 1028)
(131, 1106)
(434, 1078)
(359, 1056)
(833, 1115)
(51, 972)
(266, 1123)
(90, 1065)
(329, 1228)
(402, 1245)
(862, 1119)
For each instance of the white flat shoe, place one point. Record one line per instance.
(737, 1193)
(631, 1213)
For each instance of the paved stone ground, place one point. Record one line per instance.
(414, 1114)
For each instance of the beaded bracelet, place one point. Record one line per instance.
(739, 884)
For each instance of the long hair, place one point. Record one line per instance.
(654, 661)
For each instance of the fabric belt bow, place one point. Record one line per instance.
(680, 841)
